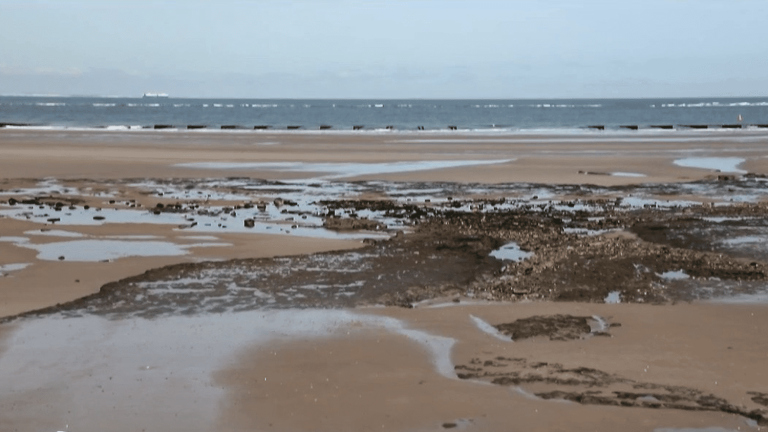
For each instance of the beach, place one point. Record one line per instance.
(172, 280)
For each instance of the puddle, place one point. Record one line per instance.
(16, 240)
(674, 275)
(214, 221)
(707, 429)
(614, 297)
(723, 164)
(200, 237)
(627, 174)
(431, 304)
(745, 240)
(100, 250)
(7, 268)
(511, 252)
(721, 219)
(132, 237)
(637, 202)
(141, 376)
(54, 233)
(341, 170)
(45, 187)
(489, 329)
(755, 298)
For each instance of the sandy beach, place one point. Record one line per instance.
(241, 281)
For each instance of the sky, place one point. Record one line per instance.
(385, 48)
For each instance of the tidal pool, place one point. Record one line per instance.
(722, 164)
(511, 252)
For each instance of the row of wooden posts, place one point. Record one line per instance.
(450, 127)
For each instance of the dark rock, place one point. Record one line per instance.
(555, 327)
(731, 126)
(325, 127)
(196, 127)
(630, 127)
(662, 126)
(12, 201)
(261, 127)
(249, 223)
(99, 218)
(163, 126)
(340, 224)
(597, 127)
(293, 127)
(357, 127)
(759, 398)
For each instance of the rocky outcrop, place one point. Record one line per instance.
(348, 224)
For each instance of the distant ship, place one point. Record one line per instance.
(155, 95)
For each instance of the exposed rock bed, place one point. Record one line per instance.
(583, 250)
(594, 387)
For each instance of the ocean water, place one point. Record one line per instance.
(568, 115)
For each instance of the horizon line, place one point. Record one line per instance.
(376, 98)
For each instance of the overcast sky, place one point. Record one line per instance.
(385, 48)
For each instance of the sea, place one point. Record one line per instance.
(385, 115)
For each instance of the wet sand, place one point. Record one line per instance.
(374, 378)
(541, 159)
(329, 370)
(384, 368)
